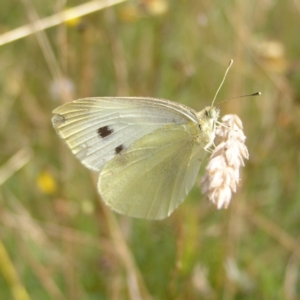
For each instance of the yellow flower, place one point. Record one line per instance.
(46, 183)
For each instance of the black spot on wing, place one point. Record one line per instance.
(119, 149)
(105, 131)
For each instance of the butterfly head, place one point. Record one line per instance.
(207, 119)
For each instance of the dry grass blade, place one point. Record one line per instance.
(10, 274)
(135, 282)
(222, 172)
(56, 19)
(283, 237)
(15, 163)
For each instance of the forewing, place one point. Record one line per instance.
(155, 174)
(97, 129)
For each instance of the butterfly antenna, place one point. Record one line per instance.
(243, 96)
(229, 66)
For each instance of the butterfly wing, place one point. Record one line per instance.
(154, 175)
(97, 129)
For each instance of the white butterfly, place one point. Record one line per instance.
(147, 151)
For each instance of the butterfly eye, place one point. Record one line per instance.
(200, 127)
(207, 114)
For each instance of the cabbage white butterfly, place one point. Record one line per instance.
(147, 151)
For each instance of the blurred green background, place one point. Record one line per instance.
(59, 241)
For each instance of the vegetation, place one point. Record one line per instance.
(59, 241)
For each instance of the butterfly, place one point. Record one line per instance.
(147, 151)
